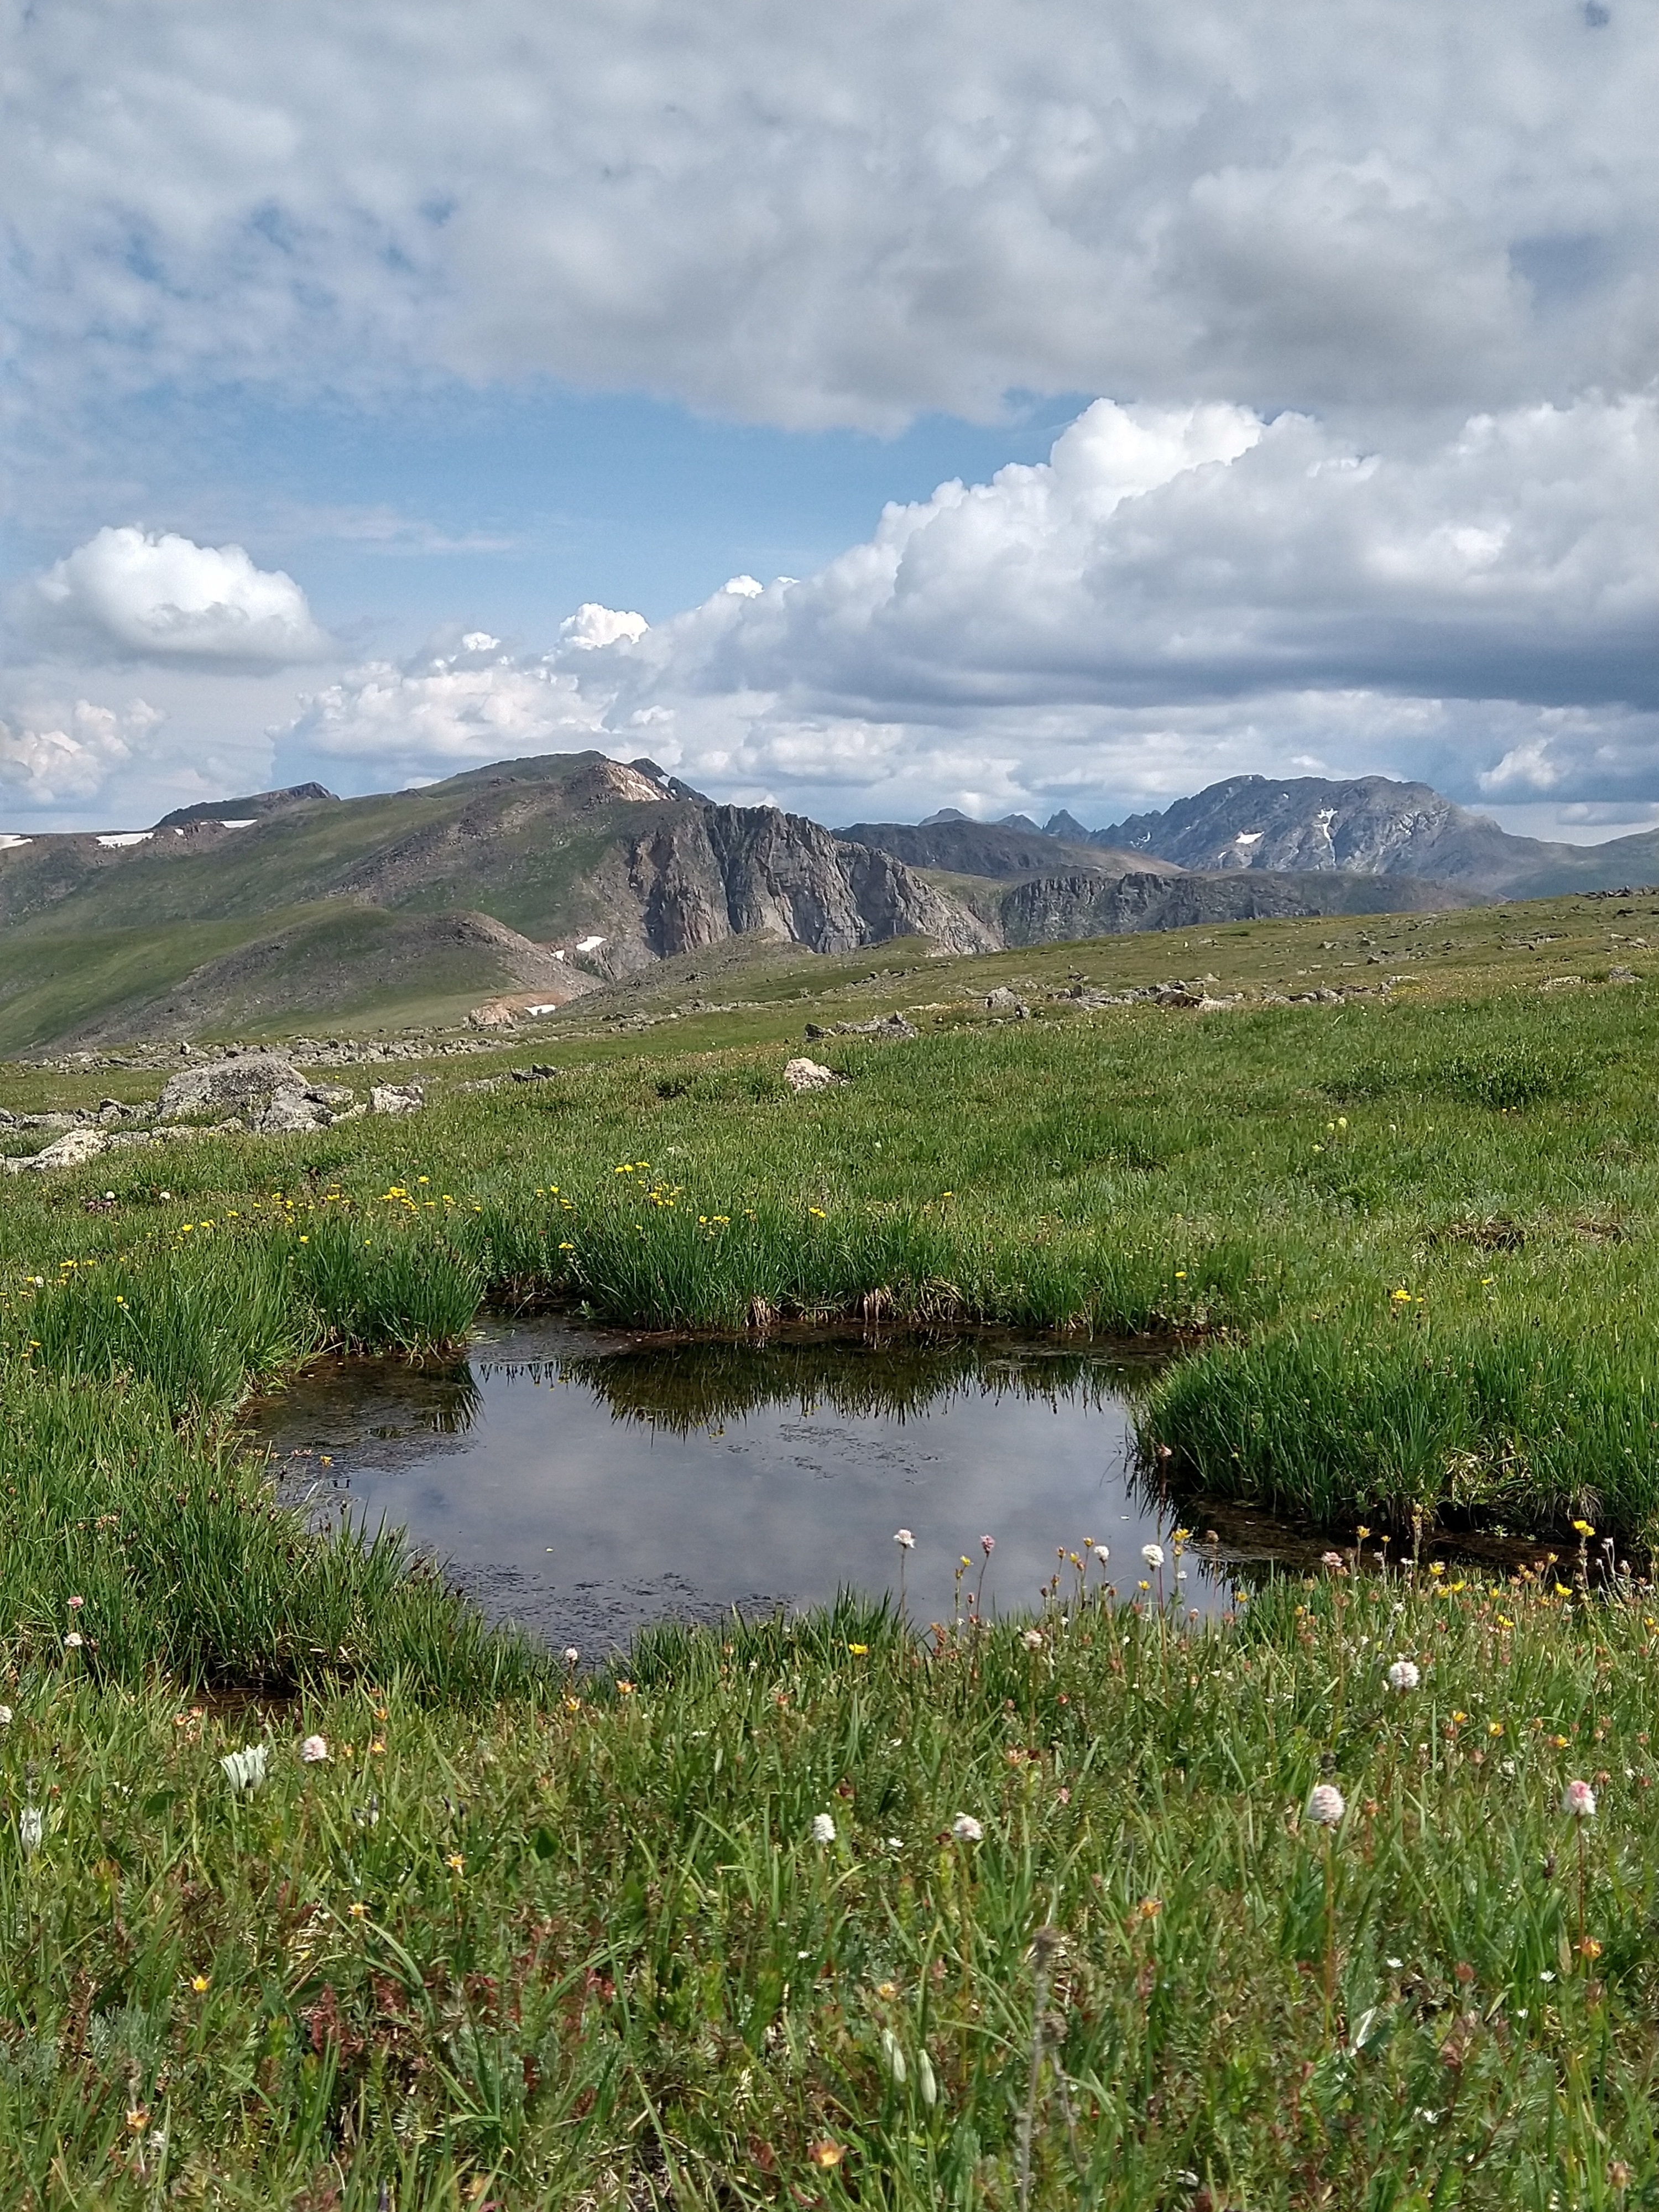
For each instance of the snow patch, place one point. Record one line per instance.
(125, 836)
(589, 943)
(9, 844)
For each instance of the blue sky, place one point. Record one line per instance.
(388, 391)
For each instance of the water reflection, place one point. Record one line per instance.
(587, 1483)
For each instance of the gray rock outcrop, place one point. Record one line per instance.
(264, 1090)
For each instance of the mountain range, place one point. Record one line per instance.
(537, 880)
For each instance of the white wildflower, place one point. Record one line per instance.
(31, 1829)
(966, 1829)
(904, 1540)
(313, 1752)
(1153, 1554)
(1032, 1639)
(1403, 1674)
(245, 1770)
(1326, 1806)
(824, 1828)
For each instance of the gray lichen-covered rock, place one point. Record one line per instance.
(72, 1150)
(264, 1090)
(245, 1084)
(397, 1098)
(809, 1075)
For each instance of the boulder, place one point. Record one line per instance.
(73, 1150)
(809, 1075)
(264, 1090)
(1004, 1001)
(248, 1083)
(397, 1098)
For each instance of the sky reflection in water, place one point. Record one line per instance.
(586, 1485)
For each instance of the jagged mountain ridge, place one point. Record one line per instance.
(1370, 825)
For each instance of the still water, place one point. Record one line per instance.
(586, 1483)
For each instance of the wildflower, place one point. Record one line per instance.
(73, 1641)
(904, 1540)
(1579, 1799)
(1032, 1639)
(966, 1829)
(1101, 1553)
(1583, 1528)
(1153, 1554)
(824, 1828)
(76, 1604)
(987, 1545)
(571, 1654)
(199, 1983)
(858, 1651)
(5, 1716)
(1326, 1806)
(624, 1689)
(245, 1770)
(1589, 1949)
(313, 1751)
(138, 2118)
(1333, 1560)
(31, 1830)
(1403, 1674)
(456, 1861)
(826, 2154)
(358, 1911)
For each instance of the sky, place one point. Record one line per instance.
(860, 410)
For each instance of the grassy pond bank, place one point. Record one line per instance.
(829, 1910)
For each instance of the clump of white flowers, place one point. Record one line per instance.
(1403, 1674)
(245, 1770)
(31, 1830)
(824, 1828)
(313, 1752)
(966, 1829)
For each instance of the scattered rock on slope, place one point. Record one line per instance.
(809, 1075)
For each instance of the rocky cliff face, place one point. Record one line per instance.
(1372, 826)
(707, 873)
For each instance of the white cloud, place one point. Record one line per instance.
(158, 597)
(53, 754)
(593, 625)
(446, 711)
(1178, 594)
(820, 216)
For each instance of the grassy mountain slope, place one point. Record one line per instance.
(513, 878)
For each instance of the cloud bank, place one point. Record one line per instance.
(842, 216)
(1178, 593)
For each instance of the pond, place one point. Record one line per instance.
(586, 1483)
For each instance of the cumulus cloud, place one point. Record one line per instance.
(817, 216)
(446, 711)
(158, 597)
(1177, 592)
(594, 625)
(56, 753)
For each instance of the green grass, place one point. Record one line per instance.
(586, 1950)
(1412, 1242)
(533, 1941)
